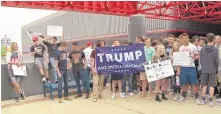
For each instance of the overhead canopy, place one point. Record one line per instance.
(202, 11)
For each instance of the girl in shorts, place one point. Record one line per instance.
(175, 78)
(14, 58)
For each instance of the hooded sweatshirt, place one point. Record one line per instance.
(209, 59)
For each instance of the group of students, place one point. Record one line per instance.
(203, 71)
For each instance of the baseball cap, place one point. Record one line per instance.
(89, 43)
(35, 38)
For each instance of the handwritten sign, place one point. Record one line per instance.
(181, 58)
(158, 69)
(19, 71)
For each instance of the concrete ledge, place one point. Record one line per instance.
(32, 84)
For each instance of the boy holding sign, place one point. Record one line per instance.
(188, 74)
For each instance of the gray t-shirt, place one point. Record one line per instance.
(77, 60)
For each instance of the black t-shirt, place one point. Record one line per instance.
(61, 56)
(52, 48)
(77, 60)
(39, 50)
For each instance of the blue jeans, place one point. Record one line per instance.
(82, 75)
(53, 68)
(65, 77)
(127, 78)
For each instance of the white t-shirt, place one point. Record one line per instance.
(192, 49)
(87, 53)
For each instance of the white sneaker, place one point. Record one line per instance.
(177, 97)
(203, 102)
(218, 100)
(198, 101)
(131, 94)
(181, 99)
(113, 96)
(122, 95)
(43, 79)
(211, 104)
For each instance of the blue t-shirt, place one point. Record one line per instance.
(168, 49)
(61, 56)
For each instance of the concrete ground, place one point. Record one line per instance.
(128, 105)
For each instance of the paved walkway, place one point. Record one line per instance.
(128, 105)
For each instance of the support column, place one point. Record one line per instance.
(136, 27)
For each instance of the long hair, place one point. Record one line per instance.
(11, 46)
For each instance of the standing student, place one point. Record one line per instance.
(188, 74)
(149, 53)
(218, 46)
(162, 83)
(98, 79)
(116, 78)
(79, 67)
(127, 77)
(39, 51)
(62, 66)
(209, 63)
(15, 58)
(52, 46)
(202, 43)
(176, 83)
(87, 51)
(139, 39)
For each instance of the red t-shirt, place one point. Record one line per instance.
(93, 54)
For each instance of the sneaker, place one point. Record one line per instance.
(176, 98)
(22, 94)
(131, 94)
(68, 99)
(218, 100)
(78, 96)
(43, 79)
(203, 102)
(181, 99)
(164, 97)
(113, 96)
(218, 96)
(16, 99)
(198, 102)
(211, 104)
(122, 95)
(95, 100)
(60, 100)
(158, 99)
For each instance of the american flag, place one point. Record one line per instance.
(34, 34)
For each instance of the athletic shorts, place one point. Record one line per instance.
(12, 77)
(41, 63)
(188, 75)
(208, 79)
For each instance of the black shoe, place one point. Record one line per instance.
(158, 99)
(22, 95)
(218, 96)
(164, 97)
(78, 96)
(16, 99)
